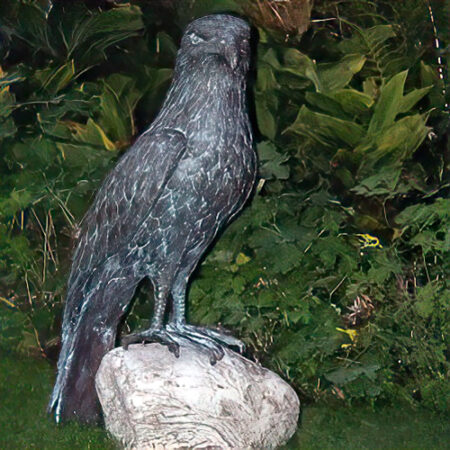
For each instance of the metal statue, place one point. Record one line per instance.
(158, 211)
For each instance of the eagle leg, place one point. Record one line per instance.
(156, 332)
(210, 340)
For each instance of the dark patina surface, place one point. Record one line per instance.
(158, 211)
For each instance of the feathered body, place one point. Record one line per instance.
(160, 208)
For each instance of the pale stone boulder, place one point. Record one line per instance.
(153, 400)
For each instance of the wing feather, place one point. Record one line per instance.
(126, 198)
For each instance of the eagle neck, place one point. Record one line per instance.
(199, 94)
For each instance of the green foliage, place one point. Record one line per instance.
(64, 119)
(336, 274)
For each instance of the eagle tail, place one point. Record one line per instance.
(90, 323)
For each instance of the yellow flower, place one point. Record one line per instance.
(367, 240)
(352, 334)
(242, 259)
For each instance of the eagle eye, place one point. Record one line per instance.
(196, 39)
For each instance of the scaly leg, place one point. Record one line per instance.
(156, 332)
(208, 339)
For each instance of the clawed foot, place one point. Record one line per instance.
(152, 335)
(174, 335)
(209, 340)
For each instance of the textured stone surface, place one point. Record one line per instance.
(151, 399)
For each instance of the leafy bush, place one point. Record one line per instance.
(336, 273)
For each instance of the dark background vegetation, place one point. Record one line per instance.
(336, 274)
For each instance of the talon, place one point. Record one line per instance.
(175, 349)
(150, 335)
(125, 342)
(208, 341)
(220, 355)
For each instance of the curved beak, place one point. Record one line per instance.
(231, 57)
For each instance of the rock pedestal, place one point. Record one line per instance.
(153, 400)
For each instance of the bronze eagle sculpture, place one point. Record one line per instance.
(159, 210)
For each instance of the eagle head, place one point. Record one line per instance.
(217, 39)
